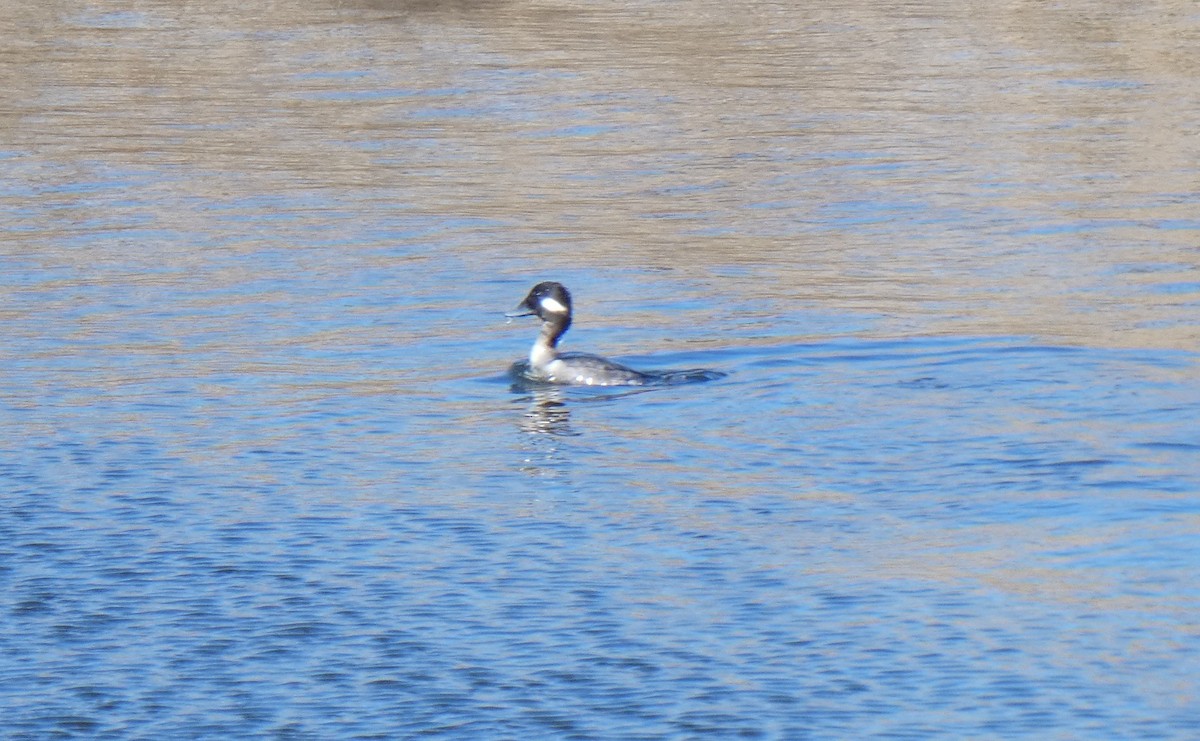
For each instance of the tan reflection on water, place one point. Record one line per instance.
(1011, 168)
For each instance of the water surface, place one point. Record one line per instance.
(264, 473)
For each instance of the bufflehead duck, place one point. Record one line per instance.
(550, 302)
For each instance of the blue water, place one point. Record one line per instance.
(264, 472)
(907, 538)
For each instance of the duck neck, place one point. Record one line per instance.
(545, 349)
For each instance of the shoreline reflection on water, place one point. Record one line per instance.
(254, 485)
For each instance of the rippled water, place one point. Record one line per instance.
(265, 474)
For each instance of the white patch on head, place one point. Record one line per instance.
(552, 304)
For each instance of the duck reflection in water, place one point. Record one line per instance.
(548, 414)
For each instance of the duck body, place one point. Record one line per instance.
(551, 302)
(583, 369)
